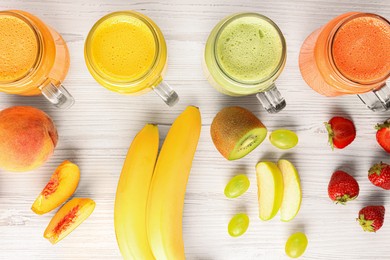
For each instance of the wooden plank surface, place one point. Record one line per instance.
(97, 131)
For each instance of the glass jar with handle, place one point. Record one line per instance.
(350, 55)
(34, 58)
(126, 53)
(244, 55)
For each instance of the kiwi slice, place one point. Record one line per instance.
(236, 132)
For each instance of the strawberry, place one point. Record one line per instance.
(341, 132)
(379, 175)
(371, 218)
(342, 187)
(383, 135)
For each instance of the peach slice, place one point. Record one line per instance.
(60, 187)
(69, 217)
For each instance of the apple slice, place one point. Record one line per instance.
(61, 186)
(270, 189)
(70, 216)
(292, 195)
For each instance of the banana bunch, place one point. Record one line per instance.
(150, 195)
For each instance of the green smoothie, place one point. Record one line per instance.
(249, 49)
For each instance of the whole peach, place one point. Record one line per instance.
(27, 138)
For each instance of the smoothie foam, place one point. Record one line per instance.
(18, 48)
(361, 49)
(249, 49)
(123, 48)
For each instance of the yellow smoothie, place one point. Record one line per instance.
(123, 48)
(18, 48)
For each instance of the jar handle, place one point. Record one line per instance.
(377, 100)
(57, 95)
(272, 100)
(166, 93)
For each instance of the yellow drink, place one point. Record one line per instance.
(126, 52)
(123, 48)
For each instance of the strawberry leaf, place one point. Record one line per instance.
(367, 225)
(376, 169)
(330, 134)
(344, 199)
(386, 124)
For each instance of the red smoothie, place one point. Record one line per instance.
(361, 49)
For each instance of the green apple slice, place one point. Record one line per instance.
(270, 189)
(292, 196)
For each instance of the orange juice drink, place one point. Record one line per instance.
(34, 58)
(18, 48)
(350, 55)
(126, 53)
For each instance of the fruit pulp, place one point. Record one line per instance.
(270, 189)
(248, 143)
(353, 43)
(123, 48)
(292, 195)
(38, 54)
(69, 217)
(249, 49)
(61, 186)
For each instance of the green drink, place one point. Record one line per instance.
(244, 55)
(249, 49)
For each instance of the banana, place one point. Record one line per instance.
(132, 195)
(166, 195)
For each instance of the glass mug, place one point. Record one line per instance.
(244, 54)
(126, 53)
(350, 55)
(34, 59)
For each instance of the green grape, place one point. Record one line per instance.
(237, 186)
(238, 225)
(283, 139)
(296, 245)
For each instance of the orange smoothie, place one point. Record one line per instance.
(18, 48)
(361, 49)
(34, 58)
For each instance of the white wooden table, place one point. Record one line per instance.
(97, 131)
